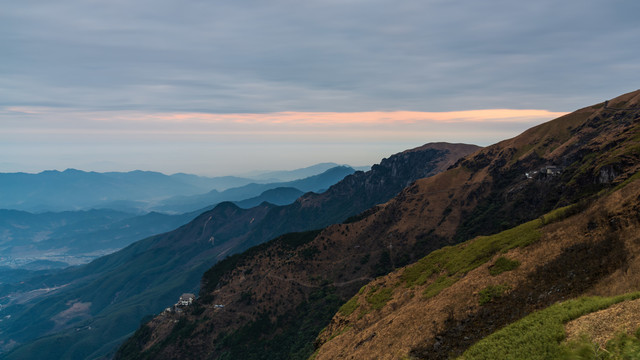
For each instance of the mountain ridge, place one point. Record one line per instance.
(76, 237)
(72, 189)
(500, 187)
(314, 183)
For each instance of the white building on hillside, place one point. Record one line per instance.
(186, 299)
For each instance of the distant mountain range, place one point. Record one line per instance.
(134, 192)
(277, 196)
(290, 175)
(85, 312)
(48, 240)
(77, 190)
(316, 183)
(499, 257)
(74, 237)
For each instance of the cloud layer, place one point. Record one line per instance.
(82, 82)
(317, 55)
(217, 144)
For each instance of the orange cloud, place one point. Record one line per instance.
(349, 118)
(299, 117)
(335, 125)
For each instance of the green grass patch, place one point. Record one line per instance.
(379, 298)
(622, 346)
(564, 212)
(631, 179)
(349, 307)
(539, 335)
(460, 259)
(503, 264)
(441, 283)
(491, 292)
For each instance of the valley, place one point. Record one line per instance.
(55, 240)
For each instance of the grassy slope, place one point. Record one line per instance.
(539, 335)
(442, 269)
(615, 147)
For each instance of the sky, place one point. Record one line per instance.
(227, 87)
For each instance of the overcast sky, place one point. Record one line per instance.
(218, 87)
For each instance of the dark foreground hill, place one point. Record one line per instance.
(87, 311)
(561, 200)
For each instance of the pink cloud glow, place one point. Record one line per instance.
(395, 125)
(362, 118)
(44, 138)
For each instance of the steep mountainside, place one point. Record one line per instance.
(277, 297)
(85, 312)
(440, 306)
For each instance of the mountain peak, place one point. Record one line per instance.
(628, 101)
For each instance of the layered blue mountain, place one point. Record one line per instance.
(315, 183)
(277, 196)
(85, 312)
(139, 191)
(290, 175)
(58, 239)
(74, 189)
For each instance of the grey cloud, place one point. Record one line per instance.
(262, 56)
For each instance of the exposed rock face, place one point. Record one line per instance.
(607, 174)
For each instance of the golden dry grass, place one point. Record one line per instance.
(603, 325)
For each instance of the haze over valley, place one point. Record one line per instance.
(56, 219)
